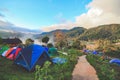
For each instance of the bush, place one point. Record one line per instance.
(104, 70)
(113, 53)
(45, 39)
(58, 71)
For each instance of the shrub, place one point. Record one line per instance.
(58, 71)
(104, 70)
(45, 39)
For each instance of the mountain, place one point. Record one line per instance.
(50, 33)
(75, 32)
(12, 31)
(111, 31)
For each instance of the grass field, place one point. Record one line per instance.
(105, 70)
(10, 71)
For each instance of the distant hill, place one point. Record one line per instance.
(111, 31)
(12, 31)
(51, 33)
(5, 34)
(75, 32)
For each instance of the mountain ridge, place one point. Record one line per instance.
(109, 31)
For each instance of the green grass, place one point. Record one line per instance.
(10, 71)
(105, 70)
(59, 71)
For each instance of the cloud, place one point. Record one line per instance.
(3, 21)
(4, 10)
(100, 12)
(1, 15)
(67, 25)
(5, 24)
(107, 6)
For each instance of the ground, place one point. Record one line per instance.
(10, 71)
(83, 70)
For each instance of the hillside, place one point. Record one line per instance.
(51, 33)
(75, 32)
(111, 31)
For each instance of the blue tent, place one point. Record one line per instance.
(95, 52)
(31, 56)
(58, 60)
(115, 60)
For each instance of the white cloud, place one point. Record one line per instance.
(107, 6)
(67, 25)
(99, 12)
(5, 24)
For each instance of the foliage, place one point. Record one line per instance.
(113, 51)
(103, 44)
(104, 70)
(0, 40)
(59, 71)
(10, 71)
(109, 48)
(49, 45)
(29, 41)
(61, 44)
(77, 44)
(75, 32)
(45, 39)
(111, 32)
(43, 73)
(60, 39)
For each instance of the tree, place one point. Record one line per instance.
(0, 40)
(60, 39)
(104, 44)
(76, 44)
(45, 39)
(29, 41)
(49, 45)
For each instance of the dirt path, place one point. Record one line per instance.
(83, 70)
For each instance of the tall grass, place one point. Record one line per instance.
(103, 68)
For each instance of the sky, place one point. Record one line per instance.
(48, 15)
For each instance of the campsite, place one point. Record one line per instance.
(59, 40)
(41, 62)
